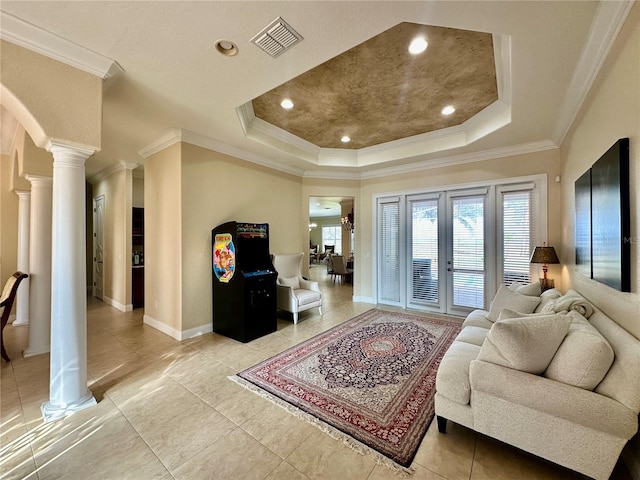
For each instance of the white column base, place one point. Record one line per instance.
(55, 412)
(20, 322)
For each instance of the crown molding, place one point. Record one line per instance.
(181, 135)
(607, 22)
(165, 140)
(27, 35)
(525, 148)
(110, 170)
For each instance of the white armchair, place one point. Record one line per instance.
(294, 293)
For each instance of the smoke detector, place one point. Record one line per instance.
(277, 37)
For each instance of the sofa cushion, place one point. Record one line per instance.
(293, 282)
(527, 344)
(505, 298)
(507, 314)
(583, 358)
(452, 379)
(473, 335)
(477, 318)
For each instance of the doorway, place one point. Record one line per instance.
(98, 246)
(331, 230)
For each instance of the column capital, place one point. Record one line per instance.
(22, 193)
(40, 181)
(69, 155)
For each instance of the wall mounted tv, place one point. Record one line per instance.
(603, 219)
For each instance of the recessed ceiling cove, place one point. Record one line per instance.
(378, 92)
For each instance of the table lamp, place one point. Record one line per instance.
(545, 255)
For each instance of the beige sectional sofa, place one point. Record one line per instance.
(537, 374)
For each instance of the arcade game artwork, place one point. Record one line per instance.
(224, 257)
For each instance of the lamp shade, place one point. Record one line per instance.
(546, 255)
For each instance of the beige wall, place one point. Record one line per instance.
(547, 162)
(40, 91)
(611, 111)
(8, 222)
(137, 199)
(215, 189)
(163, 238)
(116, 189)
(32, 160)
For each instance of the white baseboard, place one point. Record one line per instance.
(177, 334)
(197, 331)
(359, 299)
(117, 305)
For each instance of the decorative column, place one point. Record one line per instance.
(22, 297)
(68, 391)
(39, 266)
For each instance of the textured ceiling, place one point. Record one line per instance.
(175, 86)
(378, 92)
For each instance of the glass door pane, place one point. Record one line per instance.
(424, 248)
(466, 265)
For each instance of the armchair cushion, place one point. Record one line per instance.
(584, 357)
(293, 282)
(527, 344)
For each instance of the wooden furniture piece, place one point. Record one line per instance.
(6, 302)
(137, 261)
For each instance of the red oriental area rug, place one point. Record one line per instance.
(369, 381)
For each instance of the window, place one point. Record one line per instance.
(332, 235)
(448, 250)
(516, 236)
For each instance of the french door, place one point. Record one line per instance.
(448, 251)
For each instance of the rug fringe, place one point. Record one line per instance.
(348, 440)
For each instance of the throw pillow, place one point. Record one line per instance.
(292, 282)
(505, 298)
(584, 357)
(527, 344)
(532, 289)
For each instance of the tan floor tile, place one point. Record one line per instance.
(382, 472)
(237, 455)
(495, 460)
(184, 436)
(241, 404)
(321, 457)
(16, 463)
(450, 454)
(284, 471)
(278, 430)
(161, 400)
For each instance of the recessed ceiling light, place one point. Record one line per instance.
(287, 104)
(345, 139)
(226, 47)
(418, 45)
(448, 110)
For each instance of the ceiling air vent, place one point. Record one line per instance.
(277, 37)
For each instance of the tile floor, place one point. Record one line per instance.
(166, 410)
